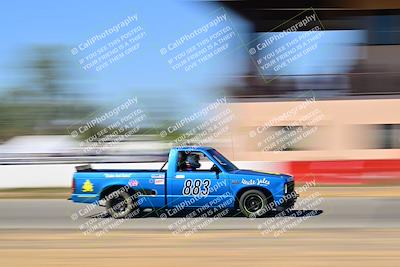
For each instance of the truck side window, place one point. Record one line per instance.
(193, 161)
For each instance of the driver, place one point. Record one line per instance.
(182, 157)
(192, 162)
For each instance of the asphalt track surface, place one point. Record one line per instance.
(329, 213)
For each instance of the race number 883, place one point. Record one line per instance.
(196, 187)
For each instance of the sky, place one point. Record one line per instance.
(69, 23)
(145, 72)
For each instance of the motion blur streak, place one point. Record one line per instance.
(308, 88)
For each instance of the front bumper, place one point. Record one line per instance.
(287, 201)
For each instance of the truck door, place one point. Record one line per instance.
(196, 186)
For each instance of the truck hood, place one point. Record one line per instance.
(287, 177)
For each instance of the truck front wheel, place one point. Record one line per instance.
(254, 203)
(119, 204)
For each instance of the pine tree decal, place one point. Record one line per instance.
(87, 186)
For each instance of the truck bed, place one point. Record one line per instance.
(88, 168)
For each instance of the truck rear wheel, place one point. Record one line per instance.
(254, 203)
(120, 204)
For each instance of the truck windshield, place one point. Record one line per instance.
(228, 166)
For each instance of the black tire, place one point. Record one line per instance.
(120, 204)
(254, 204)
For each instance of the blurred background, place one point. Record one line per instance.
(352, 76)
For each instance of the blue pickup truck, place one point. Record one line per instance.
(192, 177)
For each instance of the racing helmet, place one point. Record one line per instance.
(193, 160)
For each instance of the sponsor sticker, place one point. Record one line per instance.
(117, 175)
(133, 182)
(87, 186)
(158, 181)
(159, 175)
(262, 181)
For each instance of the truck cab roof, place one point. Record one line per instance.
(193, 148)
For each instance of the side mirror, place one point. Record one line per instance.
(215, 169)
